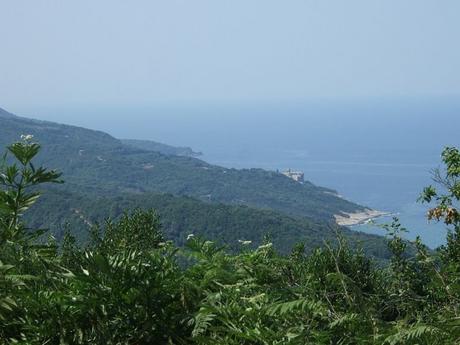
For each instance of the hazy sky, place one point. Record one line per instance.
(78, 53)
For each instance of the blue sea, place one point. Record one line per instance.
(376, 153)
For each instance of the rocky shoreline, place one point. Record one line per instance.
(357, 218)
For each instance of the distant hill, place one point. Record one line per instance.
(98, 164)
(5, 114)
(105, 176)
(149, 145)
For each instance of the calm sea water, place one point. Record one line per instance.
(379, 154)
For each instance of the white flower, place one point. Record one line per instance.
(245, 243)
(265, 246)
(27, 137)
(190, 236)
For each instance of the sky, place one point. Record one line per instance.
(141, 53)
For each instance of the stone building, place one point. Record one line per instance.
(297, 176)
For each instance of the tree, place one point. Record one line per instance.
(17, 192)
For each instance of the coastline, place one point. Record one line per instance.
(357, 218)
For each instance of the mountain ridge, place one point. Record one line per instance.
(104, 177)
(150, 145)
(100, 164)
(6, 114)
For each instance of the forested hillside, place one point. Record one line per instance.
(180, 216)
(95, 163)
(103, 178)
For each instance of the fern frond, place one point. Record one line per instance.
(314, 307)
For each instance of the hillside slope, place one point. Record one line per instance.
(96, 163)
(181, 216)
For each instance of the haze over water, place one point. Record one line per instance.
(376, 153)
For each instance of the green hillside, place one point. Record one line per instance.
(181, 216)
(104, 177)
(95, 163)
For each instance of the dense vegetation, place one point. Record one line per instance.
(61, 211)
(105, 176)
(97, 164)
(129, 285)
